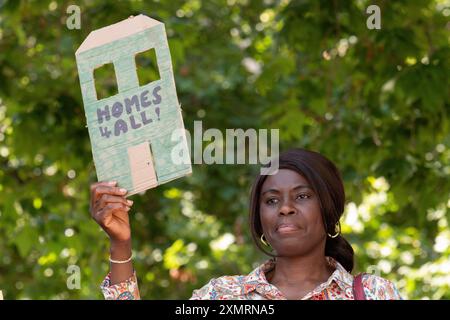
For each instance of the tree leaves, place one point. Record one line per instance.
(376, 102)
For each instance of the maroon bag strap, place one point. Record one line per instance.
(358, 289)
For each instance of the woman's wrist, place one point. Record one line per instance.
(120, 250)
(120, 262)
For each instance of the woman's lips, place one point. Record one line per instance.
(287, 228)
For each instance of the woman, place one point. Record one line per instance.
(294, 217)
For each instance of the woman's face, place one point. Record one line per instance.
(290, 214)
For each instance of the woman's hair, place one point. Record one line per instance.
(326, 182)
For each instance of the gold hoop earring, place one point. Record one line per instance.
(264, 241)
(337, 229)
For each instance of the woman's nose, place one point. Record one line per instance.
(287, 208)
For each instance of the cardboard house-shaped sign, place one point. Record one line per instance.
(131, 133)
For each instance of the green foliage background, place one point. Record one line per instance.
(374, 101)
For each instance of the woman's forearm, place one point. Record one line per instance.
(121, 272)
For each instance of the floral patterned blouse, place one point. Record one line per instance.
(255, 286)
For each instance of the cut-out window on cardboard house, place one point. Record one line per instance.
(131, 131)
(147, 66)
(105, 81)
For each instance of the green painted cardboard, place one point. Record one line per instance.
(131, 139)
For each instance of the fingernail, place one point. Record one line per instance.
(112, 183)
(130, 202)
(123, 190)
(128, 208)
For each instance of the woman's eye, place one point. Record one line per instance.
(303, 196)
(271, 201)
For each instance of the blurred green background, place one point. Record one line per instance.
(376, 102)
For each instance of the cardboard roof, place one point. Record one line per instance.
(117, 31)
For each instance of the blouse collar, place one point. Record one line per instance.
(256, 280)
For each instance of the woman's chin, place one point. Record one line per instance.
(288, 244)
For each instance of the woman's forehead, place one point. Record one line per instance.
(284, 179)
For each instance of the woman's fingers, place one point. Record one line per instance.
(107, 198)
(102, 189)
(104, 215)
(103, 183)
(105, 192)
(94, 187)
(109, 208)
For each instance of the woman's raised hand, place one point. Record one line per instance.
(109, 208)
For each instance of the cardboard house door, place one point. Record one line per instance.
(142, 168)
